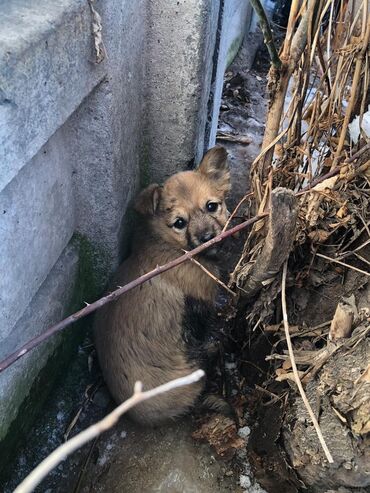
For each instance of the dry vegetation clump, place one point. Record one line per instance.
(313, 176)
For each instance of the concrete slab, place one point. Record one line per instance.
(47, 307)
(36, 223)
(140, 115)
(46, 69)
(182, 37)
(236, 18)
(104, 136)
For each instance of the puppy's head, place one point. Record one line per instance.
(190, 208)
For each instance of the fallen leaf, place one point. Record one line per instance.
(342, 211)
(288, 376)
(319, 235)
(314, 199)
(345, 313)
(326, 184)
(221, 433)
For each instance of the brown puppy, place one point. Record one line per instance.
(158, 331)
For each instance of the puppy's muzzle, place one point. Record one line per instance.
(211, 251)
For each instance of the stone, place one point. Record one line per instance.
(46, 70)
(182, 39)
(36, 223)
(48, 306)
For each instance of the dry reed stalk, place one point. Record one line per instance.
(318, 143)
(295, 370)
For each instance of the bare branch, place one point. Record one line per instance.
(355, 86)
(294, 368)
(28, 346)
(31, 344)
(278, 86)
(344, 264)
(67, 448)
(212, 276)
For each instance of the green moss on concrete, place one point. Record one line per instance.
(94, 267)
(91, 278)
(233, 50)
(145, 177)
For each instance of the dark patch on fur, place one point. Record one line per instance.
(198, 326)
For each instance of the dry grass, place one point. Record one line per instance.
(322, 86)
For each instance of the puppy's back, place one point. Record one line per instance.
(139, 337)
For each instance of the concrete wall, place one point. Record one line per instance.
(236, 18)
(78, 138)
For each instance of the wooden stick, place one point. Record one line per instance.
(294, 367)
(343, 263)
(267, 34)
(67, 448)
(31, 344)
(212, 276)
(90, 308)
(277, 245)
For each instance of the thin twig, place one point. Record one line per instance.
(267, 34)
(353, 252)
(82, 471)
(31, 344)
(294, 367)
(237, 207)
(67, 448)
(212, 276)
(359, 153)
(363, 259)
(344, 264)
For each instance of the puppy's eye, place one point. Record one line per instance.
(180, 223)
(212, 206)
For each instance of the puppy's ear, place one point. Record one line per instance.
(148, 200)
(214, 166)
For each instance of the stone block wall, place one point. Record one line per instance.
(79, 138)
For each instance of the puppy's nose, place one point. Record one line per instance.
(206, 237)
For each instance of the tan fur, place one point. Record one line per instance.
(139, 336)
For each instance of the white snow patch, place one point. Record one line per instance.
(245, 481)
(354, 126)
(244, 432)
